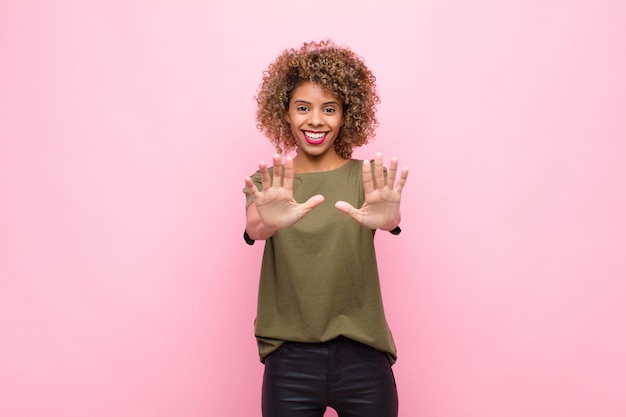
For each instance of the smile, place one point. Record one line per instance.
(315, 138)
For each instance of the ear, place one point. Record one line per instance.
(287, 118)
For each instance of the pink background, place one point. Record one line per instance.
(126, 128)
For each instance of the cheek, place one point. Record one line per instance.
(295, 132)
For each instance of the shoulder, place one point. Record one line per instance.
(353, 164)
(358, 164)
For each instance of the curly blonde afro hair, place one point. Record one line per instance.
(338, 71)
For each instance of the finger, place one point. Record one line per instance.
(265, 175)
(379, 174)
(307, 206)
(252, 187)
(403, 176)
(391, 172)
(310, 204)
(289, 174)
(368, 187)
(278, 171)
(348, 209)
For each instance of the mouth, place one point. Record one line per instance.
(314, 138)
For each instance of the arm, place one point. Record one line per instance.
(274, 207)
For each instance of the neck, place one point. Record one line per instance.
(310, 163)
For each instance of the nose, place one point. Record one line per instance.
(315, 118)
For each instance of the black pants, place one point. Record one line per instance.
(302, 379)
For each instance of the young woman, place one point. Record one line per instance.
(320, 326)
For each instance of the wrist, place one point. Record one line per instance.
(260, 232)
(392, 225)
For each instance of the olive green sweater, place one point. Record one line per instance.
(319, 278)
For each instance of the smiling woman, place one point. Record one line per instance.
(320, 308)
(337, 71)
(315, 117)
(126, 128)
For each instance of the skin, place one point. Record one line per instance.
(313, 109)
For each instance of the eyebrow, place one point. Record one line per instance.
(324, 104)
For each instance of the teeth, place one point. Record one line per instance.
(315, 135)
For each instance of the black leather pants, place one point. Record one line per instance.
(302, 379)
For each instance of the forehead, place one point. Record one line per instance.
(310, 92)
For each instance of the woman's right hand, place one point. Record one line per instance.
(274, 207)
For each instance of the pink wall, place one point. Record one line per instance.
(126, 128)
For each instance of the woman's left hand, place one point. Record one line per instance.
(381, 209)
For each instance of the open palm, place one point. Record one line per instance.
(275, 204)
(381, 209)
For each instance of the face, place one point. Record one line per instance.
(315, 117)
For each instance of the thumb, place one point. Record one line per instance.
(346, 208)
(311, 203)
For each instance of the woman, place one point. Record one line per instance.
(320, 327)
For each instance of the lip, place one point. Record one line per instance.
(314, 141)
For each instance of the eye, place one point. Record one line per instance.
(302, 108)
(330, 110)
